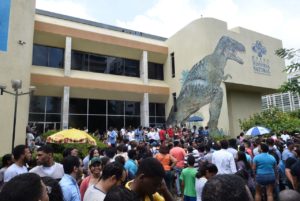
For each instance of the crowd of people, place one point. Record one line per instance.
(155, 165)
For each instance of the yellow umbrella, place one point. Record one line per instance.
(71, 136)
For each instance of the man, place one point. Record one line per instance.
(112, 137)
(285, 136)
(295, 172)
(149, 181)
(138, 134)
(73, 169)
(196, 156)
(288, 151)
(224, 160)
(130, 165)
(178, 153)
(270, 142)
(21, 155)
(226, 187)
(232, 148)
(47, 167)
(112, 175)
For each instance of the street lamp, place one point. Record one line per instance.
(16, 85)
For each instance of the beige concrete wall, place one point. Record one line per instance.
(241, 104)
(199, 39)
(16, 64)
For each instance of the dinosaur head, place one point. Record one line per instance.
(229, 48)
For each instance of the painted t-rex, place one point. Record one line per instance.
(202, 84)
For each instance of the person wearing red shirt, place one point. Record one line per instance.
(170, 132)
(162, 135)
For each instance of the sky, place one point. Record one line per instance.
(277, 18)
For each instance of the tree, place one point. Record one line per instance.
(293, 57)
(274, 119)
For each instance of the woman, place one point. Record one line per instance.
(264, 167)
(54, 190)
(244, 166)
(7, 160)
(168, 162)
(95, 169)
(25, 187)
(205, 172)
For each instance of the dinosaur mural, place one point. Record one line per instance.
(202, 84)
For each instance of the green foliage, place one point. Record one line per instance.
(273, 119)
(59, 148)
(293, 56)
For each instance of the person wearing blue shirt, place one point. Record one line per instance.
(112, 137)
(73, 171)
(130, 165)
(138, 134)
(264, 167)
(288, 152)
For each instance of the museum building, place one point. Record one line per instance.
(94, 75)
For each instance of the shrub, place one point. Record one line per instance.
(59, 148)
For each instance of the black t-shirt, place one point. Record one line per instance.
(295, 170)
(290, 162)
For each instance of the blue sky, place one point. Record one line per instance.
(276, 18)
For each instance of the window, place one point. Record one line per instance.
(132, 68)
(157, 114)
(155, 71)
(174, 102)
(48, 56)
(104, 64)
(45, 113)
(116, 107)
(97, 63)
(173, 63)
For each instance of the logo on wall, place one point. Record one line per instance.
(259, 62)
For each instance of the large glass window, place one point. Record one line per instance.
(78, 106)
(104, 64)
(157, 114)
(115, 107)
(132, 108)
(48, 56)
(79, 61)
(132, 68)
(97, 106)
(155, 71)
(45, 113)
(102, 114)
(97, 63)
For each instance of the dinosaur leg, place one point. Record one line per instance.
(215, 109)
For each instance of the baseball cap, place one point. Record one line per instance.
(95, 160)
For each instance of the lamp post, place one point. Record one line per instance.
(16, 85)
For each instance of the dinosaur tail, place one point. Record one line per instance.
(172, 117)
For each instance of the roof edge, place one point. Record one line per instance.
(100, 25)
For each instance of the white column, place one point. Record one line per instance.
(145, 101)
(68, 51)
(145, 110)
(65, 108)
(144, 67)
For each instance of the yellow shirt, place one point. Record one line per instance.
(156, 196)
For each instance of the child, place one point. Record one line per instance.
(187, 178)
(206, 171)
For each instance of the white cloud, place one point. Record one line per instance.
(66, 7)
(164, 18)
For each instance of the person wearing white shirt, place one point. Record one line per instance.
(284, 136)
(206, 172)
(21, 155)
(224, 160)
(47, 167)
